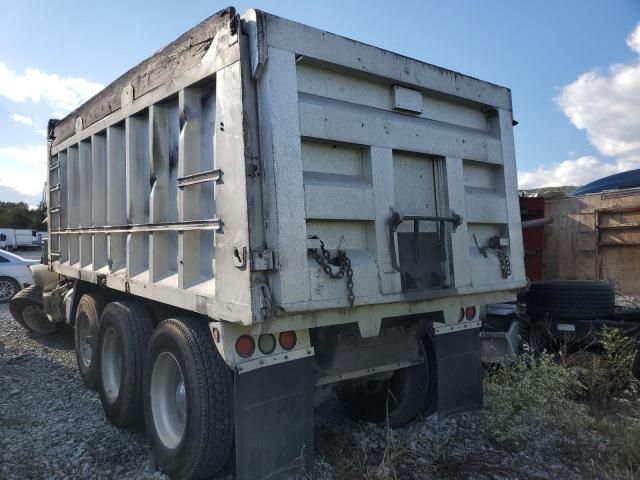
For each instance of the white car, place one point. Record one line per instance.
(15, 274)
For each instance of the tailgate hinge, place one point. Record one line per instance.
(262, 260)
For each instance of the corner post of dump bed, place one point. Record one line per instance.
(277, 88)
(502, 125)
(232, 240)
(273, 405)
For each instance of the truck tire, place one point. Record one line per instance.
(26, 309)
(188, 400)
(85, 335)
(8, 288)
(399, 399)
(123, 335)
(431, 400)
(570, 299)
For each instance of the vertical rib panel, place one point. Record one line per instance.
(84, 206)
(190, 152)
(163, 120)
(116, 195)
(137, 180)
(73, 201)
(99, 198)
(64, 213)
(206, 193)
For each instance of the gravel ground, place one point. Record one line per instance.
(428, 449)
(51, 425)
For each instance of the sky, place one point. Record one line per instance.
(573, 67)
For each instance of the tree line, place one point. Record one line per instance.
(18, 215)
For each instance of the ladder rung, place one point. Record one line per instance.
(200, 177)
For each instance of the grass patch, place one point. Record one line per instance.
(531, 398)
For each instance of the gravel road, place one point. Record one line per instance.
(51, 425)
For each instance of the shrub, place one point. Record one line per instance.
(618, 354)
(608, 374)
(530, 399)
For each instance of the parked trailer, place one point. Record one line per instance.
(18, 238)
(7, 239)
(263, 211)
(26, 238)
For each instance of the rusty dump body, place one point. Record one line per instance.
(278, 181)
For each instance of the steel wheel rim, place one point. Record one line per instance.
(31, 314)
(7, 290)
(84, 339)
(111, 364)
(168, 400)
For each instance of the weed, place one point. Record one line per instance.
(529, 399)
(618, 354)
(607, 374)
(629, 449)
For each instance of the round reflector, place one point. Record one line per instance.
(288, 340)
(245, 346)
(470, 313)
(267, 343)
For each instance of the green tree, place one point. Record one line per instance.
(18, 215)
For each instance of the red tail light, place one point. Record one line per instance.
(245, 346)
(288, 340)
(470, 313)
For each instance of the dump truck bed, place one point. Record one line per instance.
(209, 176)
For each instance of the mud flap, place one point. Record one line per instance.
(274, 420)
(459, 372)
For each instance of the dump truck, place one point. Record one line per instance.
(264, 214)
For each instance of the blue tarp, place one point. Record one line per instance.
(617, 181)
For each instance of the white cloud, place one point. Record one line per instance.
(570, 172)
(24, 168)
(605, 105)
(59, 93)
(633, 40)
(30, 122)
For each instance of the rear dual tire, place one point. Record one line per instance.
(125, 329)
(399, 400)
(188, 400)
(87, 323)
(172, 377)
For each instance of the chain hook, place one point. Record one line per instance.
(323, 258)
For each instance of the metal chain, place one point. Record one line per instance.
(505, 263)
(494, 244)
(323, 258)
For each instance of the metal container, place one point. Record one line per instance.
(205, 182)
